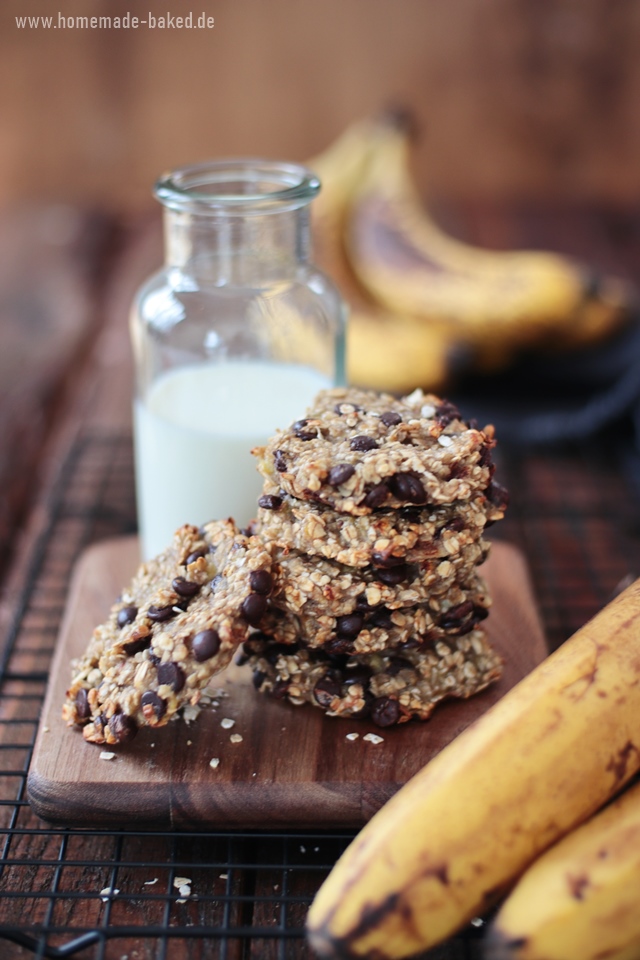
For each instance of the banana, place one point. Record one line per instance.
(386, 350)
(445, 848)
(581, 899)
(500, 302)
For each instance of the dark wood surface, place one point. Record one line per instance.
(294, 766)
(573, 516)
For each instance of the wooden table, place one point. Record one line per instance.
(66, 481)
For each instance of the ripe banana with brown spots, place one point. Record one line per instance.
(454, 838)
(581, 899)
(387, 350)
(494, 302)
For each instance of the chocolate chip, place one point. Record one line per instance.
(127, 615)
(385, 711)
(205, 644)
(253, 608)
(194, 556)
(453, 617)
(185, 588)
(325, 690)
(136, 644)
(280, 688)
(340, 474)
(83, 710)
(261, 582)
(386, 560)
(360, 674)
(269, 501)
(276, 650)
(484, 460)
(406, 486)
(123, 727)
(380, 617)
(279, 461)
(376, 496)
(154, 705)
(301, 433)
(458, 471)
(338, 646)
(446, 412)
(396, 664)
(457, 524)
(390, 418)
(395, 575)
(160, 614)
(172, 675)
(349, 626)
(363, 443)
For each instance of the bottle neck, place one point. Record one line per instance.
(237, 249)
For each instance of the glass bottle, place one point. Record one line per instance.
(232, 338)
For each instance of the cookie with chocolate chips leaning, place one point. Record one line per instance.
(359, 451)
(178, 623)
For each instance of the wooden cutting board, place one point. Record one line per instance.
(293, 767)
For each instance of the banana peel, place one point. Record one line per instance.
(426, 307)
(455, 837)
(581, 899)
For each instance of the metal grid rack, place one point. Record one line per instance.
(115, 894)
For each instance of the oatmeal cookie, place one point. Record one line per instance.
(383, 538)
(358, 451)
(178, 623)
(316, 587)
(372, 629)
(385, 688)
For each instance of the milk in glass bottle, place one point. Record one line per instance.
(231, 339)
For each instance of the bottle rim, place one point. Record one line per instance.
(237, 185)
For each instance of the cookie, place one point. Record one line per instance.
(178, 623)
(316, 587)
(372, 629)
(386, 688)
(359, 451)
(383, 538)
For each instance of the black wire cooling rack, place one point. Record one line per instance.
(132, 894)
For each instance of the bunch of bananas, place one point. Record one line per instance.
(424, 305)
(455, 838)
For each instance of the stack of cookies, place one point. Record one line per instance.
(375, 508)
(356, 589)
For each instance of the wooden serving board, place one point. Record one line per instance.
(294, 766)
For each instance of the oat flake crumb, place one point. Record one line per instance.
(224, 876)
(181, 881)
(107, 755)
(353, 736)
(108, 892)
(373, 738)
(236, 738)
(226, 723)
(214, 763)
(150, 883)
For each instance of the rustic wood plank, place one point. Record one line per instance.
(294, 766)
